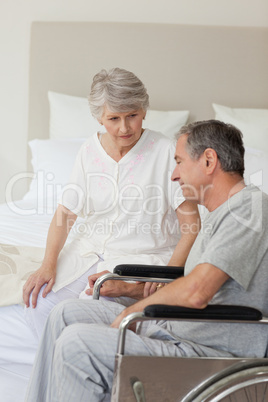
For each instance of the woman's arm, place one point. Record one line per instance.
(59, 229)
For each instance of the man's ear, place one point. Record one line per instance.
(211, 160)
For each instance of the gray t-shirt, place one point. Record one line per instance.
(234, 238)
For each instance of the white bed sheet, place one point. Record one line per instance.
(17, 351)
(17, 343)
(23, 223)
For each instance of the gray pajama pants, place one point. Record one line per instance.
(76, 356)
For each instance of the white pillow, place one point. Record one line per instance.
(256, 168)
(70, 117)
(252, 122)
(168, 123)
(52, 162)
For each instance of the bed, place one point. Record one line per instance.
(191, 73)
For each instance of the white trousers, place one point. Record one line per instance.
(76, 356)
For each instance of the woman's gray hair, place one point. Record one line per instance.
(224, 138)
(119, 90)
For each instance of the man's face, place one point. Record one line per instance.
(189, 172)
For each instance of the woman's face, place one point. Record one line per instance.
(124, 128)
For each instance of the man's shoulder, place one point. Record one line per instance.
(247, 208)
(248, 197)
(255, 198)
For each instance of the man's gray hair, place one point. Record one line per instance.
(119, 90)
(224, 138)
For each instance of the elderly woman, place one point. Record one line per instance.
(121, 187)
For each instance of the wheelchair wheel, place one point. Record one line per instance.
(246, 385)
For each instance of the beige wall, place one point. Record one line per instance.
(15, 21)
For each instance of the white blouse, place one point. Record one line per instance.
(128, 207)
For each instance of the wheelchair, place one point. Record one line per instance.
(184, 379)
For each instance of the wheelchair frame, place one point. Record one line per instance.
(220, 379)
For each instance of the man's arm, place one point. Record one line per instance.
(194, 290)
(190, 223)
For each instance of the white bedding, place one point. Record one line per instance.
(19, 227)
(17, 351)
(17, 263)
(17, 343)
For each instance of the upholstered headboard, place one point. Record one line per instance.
(183, 67)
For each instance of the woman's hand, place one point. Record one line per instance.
(151, 287)
(45, 274)
(115, 288)
(59, 228)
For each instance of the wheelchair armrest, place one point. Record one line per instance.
(149, 271)
(138, 272)
(211, 312)
(216, 313)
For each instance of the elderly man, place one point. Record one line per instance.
(227, 265)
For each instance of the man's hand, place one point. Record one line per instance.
(92, 279)
(116, 323)
(115, 288)
(111, 288)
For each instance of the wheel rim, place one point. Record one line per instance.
(250, 384)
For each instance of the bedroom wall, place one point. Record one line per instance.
(15, 22)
